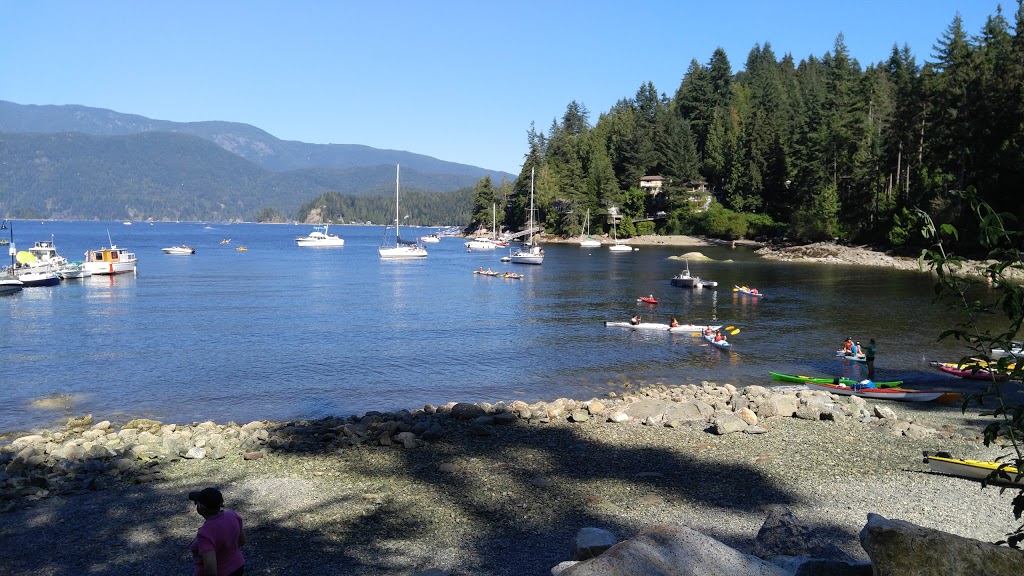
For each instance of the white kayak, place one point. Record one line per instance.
(657, 326)
(720, 343)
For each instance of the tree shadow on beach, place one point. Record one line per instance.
(505, 503)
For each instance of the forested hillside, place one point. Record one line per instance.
(170, 176)
(820, 148)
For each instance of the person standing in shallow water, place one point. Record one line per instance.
(216, 550)
(869, 358)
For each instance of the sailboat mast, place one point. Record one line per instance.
(531, 206)
(398, 237)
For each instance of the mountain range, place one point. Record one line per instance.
(91, 163)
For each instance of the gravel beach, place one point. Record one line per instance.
(509, 499)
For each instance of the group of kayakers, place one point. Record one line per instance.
(867, 353)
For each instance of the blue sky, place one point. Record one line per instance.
(457, 80)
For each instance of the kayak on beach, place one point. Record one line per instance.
(848, 381)
(886, 393)
(944, 463)
(969, 371)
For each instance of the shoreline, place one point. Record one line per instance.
(492, 488)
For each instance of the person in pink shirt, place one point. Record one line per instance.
(216, 549)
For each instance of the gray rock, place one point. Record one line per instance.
(784, 534)
(467, 411)
(885, 412)
(557, 570)
(688, 411)
(195, 453)
(618, 417)
(728, 424)
(591, 542)
(755, 430)
(801, 566)
(898, 548)
(671, 550)
(784, 405)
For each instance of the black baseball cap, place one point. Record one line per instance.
(208, 497)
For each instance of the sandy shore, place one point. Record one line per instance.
(508, 500)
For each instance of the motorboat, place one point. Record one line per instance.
(10, 285)
(430, 239)
(45, 277)
(320, 238)
(487, 243)
(529, 253)
(73, 270)
(402, 249)
(685, 280)
(182, 250)
(110, 261)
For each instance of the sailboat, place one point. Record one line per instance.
(618, 246)
(401, 248)
(589, 242)
(529, 253)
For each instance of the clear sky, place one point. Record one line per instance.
(459, 80)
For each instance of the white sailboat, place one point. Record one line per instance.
(401, 248)
(529, 253)
(618, 246)
(589, 242)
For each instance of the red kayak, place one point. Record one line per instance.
(969, 372)
(647, 299)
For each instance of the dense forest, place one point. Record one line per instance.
(818, 149)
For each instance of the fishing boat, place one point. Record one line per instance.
(529, 253)
(885, 393)
(944, 463)
(848, 381)
(971, 371)
(402, 249)
(589, 241)
(747, 290)
(320, 238)
(110, 261)
(182, 250)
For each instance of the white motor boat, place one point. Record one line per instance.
(402, 249)
(481, 244)
(37, 277)
(685, 280)
(110, 261)
(182, 250)
(10, 285)
(320, 238)
(430, 239)
(73, 270)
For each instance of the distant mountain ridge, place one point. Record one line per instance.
(68, 161)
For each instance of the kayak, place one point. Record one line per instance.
(850, 357)
(848, 381)
(944, 463)
(747, 291)
(720, 344)
(658, 326)
(647, 300)
(968, 371)
(885, 393)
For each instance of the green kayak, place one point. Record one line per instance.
(848, 381)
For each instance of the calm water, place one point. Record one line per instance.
(282, 332)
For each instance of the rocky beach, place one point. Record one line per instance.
(498, 488)
(502, 488)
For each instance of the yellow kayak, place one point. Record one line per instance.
(944, 463)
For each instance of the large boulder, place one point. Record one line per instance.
(899, 548)
(784, 534)
(672, 550)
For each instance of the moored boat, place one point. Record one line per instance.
(110, 261)
(647, 299)
(320, 238)
(402, 249)
(35, 278)
(944, 463)
(10, 285)
(72, 271)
